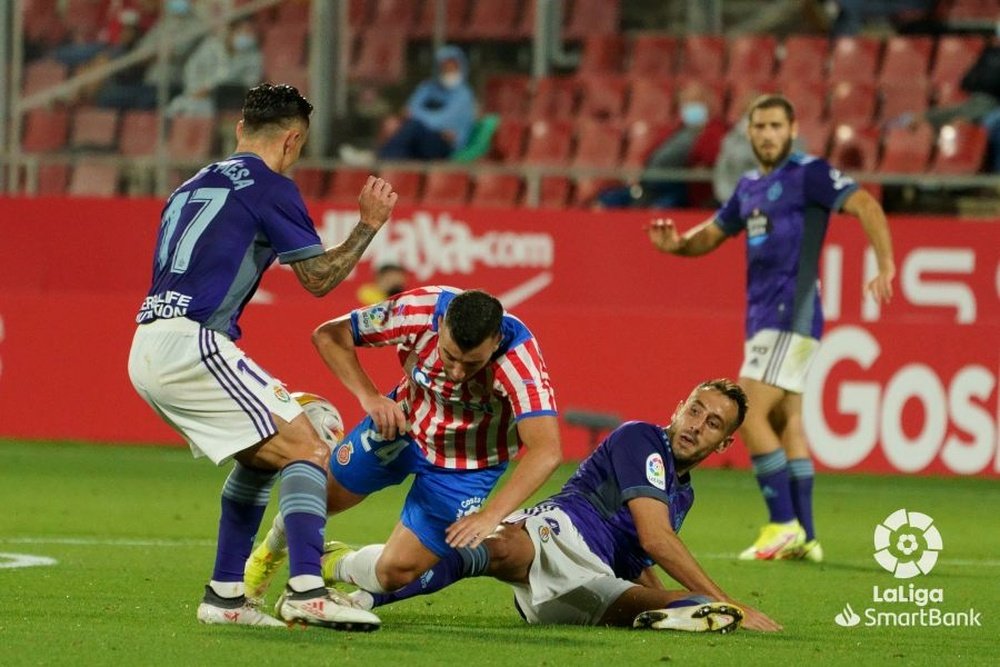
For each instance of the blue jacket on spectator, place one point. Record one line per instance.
(446, 105)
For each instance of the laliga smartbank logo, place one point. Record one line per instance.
(907, 544)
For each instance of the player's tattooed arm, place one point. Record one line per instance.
(322, 273)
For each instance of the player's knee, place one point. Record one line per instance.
(394, 576)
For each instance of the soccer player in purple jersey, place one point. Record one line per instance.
(219, 232)
(784, 207)
(585, 556)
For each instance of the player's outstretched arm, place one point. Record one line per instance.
(658, 539)
(542, 455)
(334, 341)
(865, 208)
(322, 273)
(699, 240)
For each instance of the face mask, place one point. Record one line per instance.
(694, 114)
(244, 41)
(178, 7)
(451, 79)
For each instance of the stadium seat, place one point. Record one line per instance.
(654, 55)
(598, 144)
(906, 59)
(42, 24)
(311, 182)
(446, 189)
(592, 17)
(650, 100)
(702, 57)
(456, 12)
(901, 96)
(190, 138)
(961, 149)
(508, 140)
(586, 189)
(907, 151)
(283, 49)
(394, 15)
(975, 11)
(507, 94)
(741, 93)
(138, 133)
(296, 12)
(954, 56)
(53, 180)
(602, 96)
(42, 74)
(751, 59)
(815, 135)
(808, 96)
(854, 149)
(855, 59)
(358, 13)
(94, 128)
(381, 57)
(496, 191)
(94, 179)
(853, 103)
(346, 183)
(406, 184)
(554, 192)
(524, 26)
(45, 130)
(602, 54)
(490, 20)
(87, 17)
(640, 140)
(554, 97)
(549, 143)
(804, 58)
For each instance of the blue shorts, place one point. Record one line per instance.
(365, 463)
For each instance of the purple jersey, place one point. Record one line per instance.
(634, 461)
(785, 214)
(219, 232)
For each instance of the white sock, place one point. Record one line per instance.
(358, 568)
(305, 582)
(227, 589)
(275, 538)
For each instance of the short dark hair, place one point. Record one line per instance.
(772, 101)
(733, 392)
(270, 104)
(472, 317)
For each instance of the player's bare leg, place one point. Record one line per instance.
(381, 568)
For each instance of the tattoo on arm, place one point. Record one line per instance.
(322, 273)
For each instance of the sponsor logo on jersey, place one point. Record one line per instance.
(758, 228)
(656, 472)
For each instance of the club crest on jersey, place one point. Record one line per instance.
(372, 319)
(758, 228)
(656, 472)
(344, 453)
(281, 394)
(774, 192)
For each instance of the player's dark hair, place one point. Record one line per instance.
(733, 392)
(274, 105)
(772, 101)
(472, 317)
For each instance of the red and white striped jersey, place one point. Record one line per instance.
(465, 425)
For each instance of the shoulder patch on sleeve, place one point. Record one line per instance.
(372, 319)
(656, 472)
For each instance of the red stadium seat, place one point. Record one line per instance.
(94, 179)
(549, 143)
(592, 17)
(815, 134)
(42, 74)
(490, 20)
(284, 49)
(53, 180)
(381, 57)
(808, 97)
(346, 183)
(293, 12)
(653, 55)
(555, 97)
(190, 138)
(953, 58)
(961, 149)
(853, 103)
(496, 191)
(906, 59)
(524, 27)
(741, 93)
(407, 184)
(854, 149)
(45, 130)
(640, 140)
(446, 189)
(508, 140)
(907, 151)
(805, 59)
(855, 59)
(751, 59)
(903, 96)
(702, 57)
(311, 182)
(586, 189)
(602, 54)
(138, 133)
(602, 96)
(94, 128)
(87, 17)
(456, 12)
(507, 94)
(394, 15)
(651, 100)
(985, 11)
(597, 144)
(554, 192)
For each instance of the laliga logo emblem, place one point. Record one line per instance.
(907, 544)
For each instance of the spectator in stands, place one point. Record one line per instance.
(390, 280)
(227, 57)
(694, 145)
(438, 119)
(849, 16)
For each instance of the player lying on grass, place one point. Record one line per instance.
(585, 555)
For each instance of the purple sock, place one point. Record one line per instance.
(801, 474)
(244, 499)
(302, 502)
(772, 477)
(453, 566)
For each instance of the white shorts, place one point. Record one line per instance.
(779, 358)
(206, 388)
(568, 584)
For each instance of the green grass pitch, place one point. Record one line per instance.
(131, 530)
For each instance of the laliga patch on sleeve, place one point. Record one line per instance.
(656, 472)
(372, 319)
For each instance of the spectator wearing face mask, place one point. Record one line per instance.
(693, 145)
(438, 119)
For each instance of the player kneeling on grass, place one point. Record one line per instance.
(585, 555)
